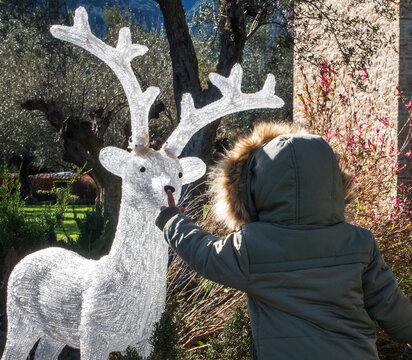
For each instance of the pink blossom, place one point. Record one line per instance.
(385, 120)
(364, 74)
(409, 154)
(326, 67)
(355, 179)
(380, 139)
(409, 105)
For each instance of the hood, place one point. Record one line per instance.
(282, 174)
(295, 179)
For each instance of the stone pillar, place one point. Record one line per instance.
(390, 66)
(405, 78)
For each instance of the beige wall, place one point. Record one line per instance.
(405, 71)
(391, 65)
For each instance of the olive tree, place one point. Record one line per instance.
(62, 105)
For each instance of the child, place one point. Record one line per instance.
(314, 282)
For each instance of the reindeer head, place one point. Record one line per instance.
(146, 172)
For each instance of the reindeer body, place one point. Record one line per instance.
(105, 300)
(101, 306)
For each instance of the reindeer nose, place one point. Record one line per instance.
(171, 188)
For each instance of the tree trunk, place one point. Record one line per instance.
(184, 60)
(232, 38)
(186, 69)
(82, 141)
(27, 192)
(109, 193)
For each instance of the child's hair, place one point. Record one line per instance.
(226, 185)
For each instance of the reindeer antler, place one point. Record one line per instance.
(118, 59)
(232, 100)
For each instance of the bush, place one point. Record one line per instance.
(96, 233)
(382, 204)
(20, 234)
(60, 188)
(235, 342)
(16, 229)
(165, 339)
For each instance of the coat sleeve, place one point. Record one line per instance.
(223, 261)
(384, 300)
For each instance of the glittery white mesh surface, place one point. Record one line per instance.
(102, 306)
(106, 305)
(232, 100)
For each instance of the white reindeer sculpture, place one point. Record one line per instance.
(101, 306)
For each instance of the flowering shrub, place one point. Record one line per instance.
(367, 150)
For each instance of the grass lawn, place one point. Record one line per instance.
(69, 226)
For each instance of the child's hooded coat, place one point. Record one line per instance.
(314, 282)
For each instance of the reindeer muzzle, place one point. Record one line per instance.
(168, 187)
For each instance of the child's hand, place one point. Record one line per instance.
(171, 201)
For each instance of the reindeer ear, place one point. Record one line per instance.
(114, 159)
(193, 169)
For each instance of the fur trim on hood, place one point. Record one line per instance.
(226, 183)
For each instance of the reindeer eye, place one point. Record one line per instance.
(180, 175)
(142, 169)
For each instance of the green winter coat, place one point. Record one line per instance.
(315, 284)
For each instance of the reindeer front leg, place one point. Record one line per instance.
(93, 346)
(48, 348)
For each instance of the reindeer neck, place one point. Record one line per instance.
(136, 235)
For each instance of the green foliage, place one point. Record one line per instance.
(165, 339)
(367, 152)
(24, 232)
(280, 62)
(96, 233)
(131, 354)
(235, 342)
(59, 188)
(16, 229)
(19, 233)
(34, 66)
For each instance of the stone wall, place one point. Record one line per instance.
(390, 66)
(405, 74)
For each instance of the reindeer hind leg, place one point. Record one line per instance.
(21, 336)
(48, 348)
